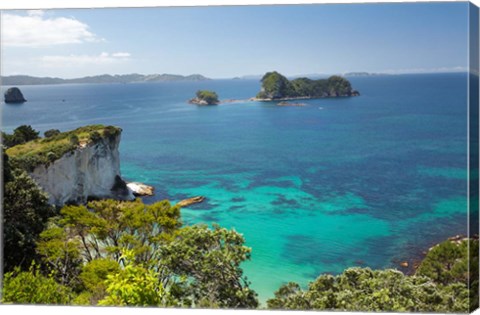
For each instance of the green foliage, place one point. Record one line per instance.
(95, 136)
(450, 262)
(208, 96)
(28, 155)
(447, 262)
(60, 252)
(338, 86)
(51, 133)
(31, 287)
(106, 227)
(110, 132)
(135, 285)
(210, 260)
(20, 135)
(74, 141)
(93, 277)
(137, 254)
(25, 213)
(276, 86)
(363, 289)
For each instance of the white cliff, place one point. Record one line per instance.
(89, 172)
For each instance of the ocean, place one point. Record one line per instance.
(373, 180)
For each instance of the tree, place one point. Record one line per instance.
(106, 227)
(31, 287)
(93, 277)
(25, 213)
(304, 87)
(135, 285)
(20, 135)
(60, 251)
(453, 261)
(363, 289)
(210, 261)
(145, 247)
(51, 133)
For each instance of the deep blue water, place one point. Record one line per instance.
(370, 180)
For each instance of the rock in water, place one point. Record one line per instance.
(140, 189)
(191, 201)
(14, 95)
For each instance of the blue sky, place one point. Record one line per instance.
(224, 42)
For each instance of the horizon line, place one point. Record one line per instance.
(244, 77)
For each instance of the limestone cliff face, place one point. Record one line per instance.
(89, 172)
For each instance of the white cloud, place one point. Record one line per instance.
(83, 60)
(35, 29)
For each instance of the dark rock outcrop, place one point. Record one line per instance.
(14, 95)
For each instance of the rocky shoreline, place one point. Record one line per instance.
(197, 101)
(284, 99)
(410, 265)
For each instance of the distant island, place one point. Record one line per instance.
(277, 87)
(204, 97)
(105, 78)
(362, 74)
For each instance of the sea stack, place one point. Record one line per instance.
(14, 95)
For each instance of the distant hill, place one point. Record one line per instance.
(361, 74)
(105, 78)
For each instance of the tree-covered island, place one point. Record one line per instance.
(204, 97)
(277, 87)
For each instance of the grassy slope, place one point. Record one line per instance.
(46, 150)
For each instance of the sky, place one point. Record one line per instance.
(231, 41)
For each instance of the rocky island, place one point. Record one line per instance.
(204, 97)
(14, 95)
(276, 87)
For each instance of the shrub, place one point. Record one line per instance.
(51, 133)
(74, 140)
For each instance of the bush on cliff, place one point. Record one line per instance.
(51, 133)
(20, 135)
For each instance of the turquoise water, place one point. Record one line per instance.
(370, 180)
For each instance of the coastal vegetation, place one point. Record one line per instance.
(127, 253)
(28, 150)
(205, 97)
(276, 87)
(25, 213)
(131, 254)
(446, 281)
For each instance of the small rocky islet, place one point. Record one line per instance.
(14, 96)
